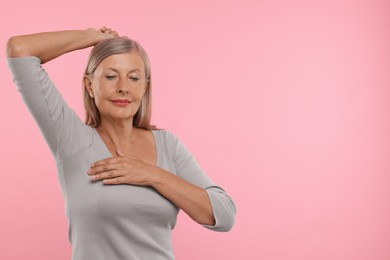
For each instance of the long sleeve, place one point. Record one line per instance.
(224, 209)
(47, 107)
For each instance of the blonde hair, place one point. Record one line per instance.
(101, 51)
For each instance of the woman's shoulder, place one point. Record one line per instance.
(165, 135)
(166, 140)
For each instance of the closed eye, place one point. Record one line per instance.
(134, 78)
(110, 77)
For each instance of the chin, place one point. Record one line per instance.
(118, 116)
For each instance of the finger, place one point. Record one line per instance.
(106, 175)
(103, 28)
(108, 164)
(118, 180)
(102, 168)
(108, 160)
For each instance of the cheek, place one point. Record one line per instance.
(104, 90)
(139, 93)
(102, 94)
(100, 104)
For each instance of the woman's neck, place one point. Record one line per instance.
(118, 134)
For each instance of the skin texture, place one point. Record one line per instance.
(133, 150)
(119, 76)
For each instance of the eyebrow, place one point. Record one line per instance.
(134, 70)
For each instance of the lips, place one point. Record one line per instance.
(121, 102)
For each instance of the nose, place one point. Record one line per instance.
(124, 92)
(123, 87)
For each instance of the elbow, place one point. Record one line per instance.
(224, 215)
(229, 225)
(15, 48)
(224, 224)
(228, 220)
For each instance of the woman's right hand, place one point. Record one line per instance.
(103, 33)
(49, 45)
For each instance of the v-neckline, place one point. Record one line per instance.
(156, 146)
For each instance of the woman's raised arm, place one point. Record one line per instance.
(26, 54)
(49, 45)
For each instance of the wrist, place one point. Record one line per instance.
(93, 36)
(97, 35)
(155, 175)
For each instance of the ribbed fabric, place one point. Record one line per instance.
(110, 221)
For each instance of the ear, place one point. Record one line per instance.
(147, 83)
(88, 86)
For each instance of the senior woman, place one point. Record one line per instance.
(123, 179)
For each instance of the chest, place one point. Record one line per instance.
(91, 203)
(143, 147)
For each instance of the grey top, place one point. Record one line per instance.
(110, 221)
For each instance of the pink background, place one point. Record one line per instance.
(284, 103)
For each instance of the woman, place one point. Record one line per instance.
(123, 180)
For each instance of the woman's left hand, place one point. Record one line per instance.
(123, 169)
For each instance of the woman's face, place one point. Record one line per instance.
(118, 85)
